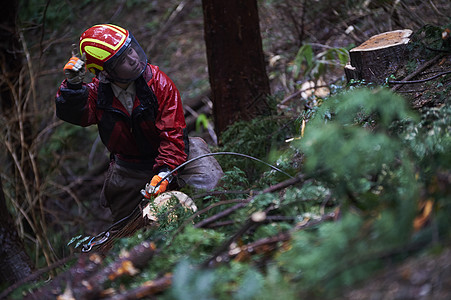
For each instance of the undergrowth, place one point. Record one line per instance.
(370, 161)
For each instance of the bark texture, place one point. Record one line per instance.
(15, 263)
(236, 62)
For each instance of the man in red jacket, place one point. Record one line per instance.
(140, 119)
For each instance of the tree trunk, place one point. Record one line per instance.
(15, 263)
(379, 57)
(236, 63)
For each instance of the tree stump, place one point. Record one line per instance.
(378, 57)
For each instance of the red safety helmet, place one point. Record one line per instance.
(106, 45)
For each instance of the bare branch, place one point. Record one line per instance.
(419, 81)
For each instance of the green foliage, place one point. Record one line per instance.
(196, 243)
(430, 137)
(234, 281)
(254, 138)
(429, 39)
(202, 122)
(430, 143)
(350, 148)
(358, 148)
(364, 166)
(235, 179)
(78, 240)
(313, 66)
(190, 283)
(354, 106)
(348, 153)
(192, 243)
(341, 254)
(357, 160)
(260, 202)
(305, 201)
(276, 286)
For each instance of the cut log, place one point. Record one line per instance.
(379, 57)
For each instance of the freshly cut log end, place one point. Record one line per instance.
(385, 40)
(378, 57)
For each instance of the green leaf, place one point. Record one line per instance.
(202, 121)
(75, 238)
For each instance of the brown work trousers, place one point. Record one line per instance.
(122, 187)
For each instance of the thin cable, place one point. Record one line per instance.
(221, 153)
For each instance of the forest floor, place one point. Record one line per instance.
(423, 277)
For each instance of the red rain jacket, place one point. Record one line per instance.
(154, 132)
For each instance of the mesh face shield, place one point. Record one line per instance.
(128, 64)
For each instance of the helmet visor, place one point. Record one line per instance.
(129, 64)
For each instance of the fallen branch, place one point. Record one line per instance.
(268, 219)
(127, 264)
(253, 221)
(148, 288)
(220, 193)
(255, 247)
(216, 255)
(418, 81)
(419, 70)
(271, 189)
(297, 93)
(220, 215)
